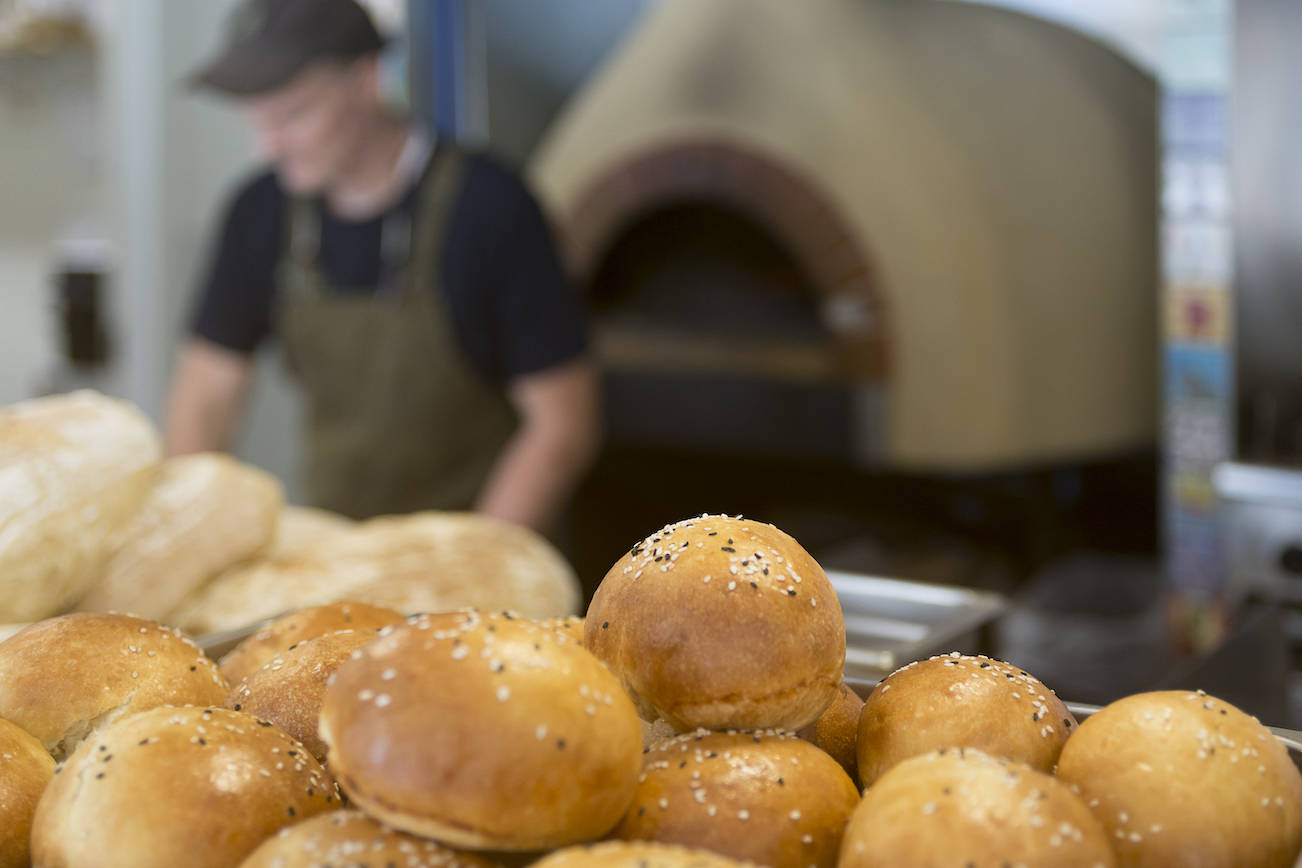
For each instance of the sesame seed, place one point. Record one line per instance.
(743, 814)
(388, 675)
(503, 693)
(382, 700)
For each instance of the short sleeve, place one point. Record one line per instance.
(237, 288)
(541, 313)
(515, 309)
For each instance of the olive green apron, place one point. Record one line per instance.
(397, 418)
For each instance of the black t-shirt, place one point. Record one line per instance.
(512, 309)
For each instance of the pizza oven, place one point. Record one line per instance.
(865, 235)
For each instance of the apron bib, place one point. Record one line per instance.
(398, 420)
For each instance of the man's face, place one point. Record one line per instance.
(312, 128)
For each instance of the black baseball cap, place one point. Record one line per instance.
(268, 42)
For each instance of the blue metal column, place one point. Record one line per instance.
(437, 32)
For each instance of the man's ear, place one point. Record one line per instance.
(367, 73)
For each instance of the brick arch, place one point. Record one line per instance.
(771, 192)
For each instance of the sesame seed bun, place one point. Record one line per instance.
(254, 652)
(352, 839)
(836, 731)
(570, 626)
(722, 623)
(1181, 778)
(25, 770)
(199, 787)
(957, 701)
(64, 678)
(483, 731)
(769, 797)
(636, 854)
(964, 807)
(289, 688)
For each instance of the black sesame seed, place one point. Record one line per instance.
(985, 665)
(791, 593)
(713, 533)
(192, 668)
(263, 723)
(98, 776)
(683, 764)
(560, 744)
(143, 741)
(292, 752)
(310, 791)
(291, 810)
(103, 747)
(711, 755)
(753, 585)
(1066, 721)
(237, 706)
(203, 742)
(727, 549)
(107, 757)
(781, 783)
(1222, 711)
(641, 811)
(605, 624)
(766, 571)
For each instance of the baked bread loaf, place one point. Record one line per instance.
(285, 632)
(836, 731)
(425, 562)
(204, 514)
(200, 787)
(768, 797)
(289, 688)
(720, 622)
(959, 701)
(25, 770)
(964, 807)
(1183, 778)
(73, 470)
(636, 854)
(497, 733)
(64, 678)
(300, 528)
(350, 839)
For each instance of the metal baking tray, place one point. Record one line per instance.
(888, 622)
(891, 622)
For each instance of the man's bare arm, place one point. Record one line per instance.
(559, 434)
(206, 400)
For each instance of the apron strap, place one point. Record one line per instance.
(433, 209)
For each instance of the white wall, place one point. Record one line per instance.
(50, 185)
(177, 155)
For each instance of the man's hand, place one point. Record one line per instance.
(560, 431)
(206, 400)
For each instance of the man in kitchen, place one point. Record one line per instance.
(413, 285)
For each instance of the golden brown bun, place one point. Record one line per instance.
(350, 839)
(636, 854)
(768, 797)
(289, 688)
(256, 651)
(837, 730)
(25, 770)
(964, 807)
(497, 733)
(958, 701)
(199, 787)
(721, 623)
(1180, 778)
(570, 626)
(63, 678)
